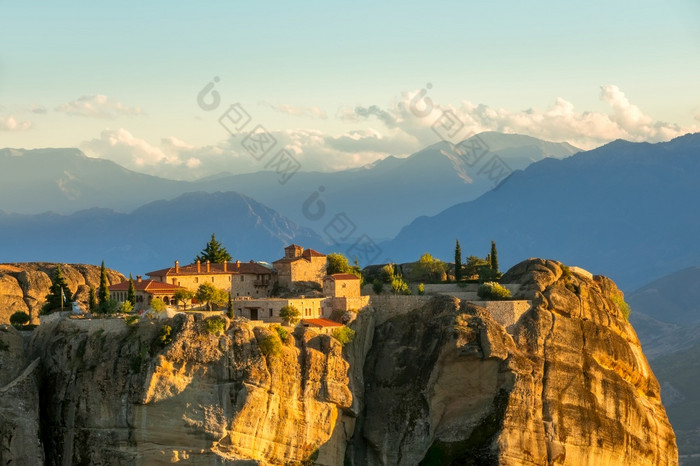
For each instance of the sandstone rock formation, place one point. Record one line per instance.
(440, 383)
(24, 286)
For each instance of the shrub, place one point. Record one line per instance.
(270, 345)
(157, 305)
(166, 335)
(344, 335)
(492, 290)
(565, 271)
(127, 307)
(377, 286)
(421, 289)
(290, 314)
(622, 306)
(399, 286)
(282, 332)
(19, 319)
(214, 325)
(132, 319)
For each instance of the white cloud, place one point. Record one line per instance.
(98, 106)
(559, 122)
(309, 112)
(10, 123)
(122, 147)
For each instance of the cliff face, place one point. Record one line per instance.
(440, 383)
(24, 286)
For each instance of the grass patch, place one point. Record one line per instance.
(622, 306)
(214, 325)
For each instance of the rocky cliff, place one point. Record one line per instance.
(24, 286)
(439, 383)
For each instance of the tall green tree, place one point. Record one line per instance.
(429, 269)
(131, 294)
(458, 262)
(103, 291)
(338, 263)
(213, 252)
(494, 256)
(59, 293)
(229, 307)
(92, 300)
(208, 293)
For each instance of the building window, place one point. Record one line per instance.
(270, 312)
(242, 277)
(229, 278)
(196, 279)
(212, 279)
(174, 280)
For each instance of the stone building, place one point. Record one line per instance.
(300, 265)
(145, 292)
(252, 278)
(268, 309)
(342, 293)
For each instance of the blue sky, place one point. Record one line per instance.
(332, 80)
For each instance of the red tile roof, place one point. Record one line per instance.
(232, 268)
(342, 276)
(306, 254)
(149, 286)
(321, 323)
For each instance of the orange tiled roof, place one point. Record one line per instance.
(342, 276)
(232, 268)
(307, 254)
(321, 322)
(149, 286)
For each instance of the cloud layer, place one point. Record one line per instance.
(406, 125)
(10, 123)
(98, 106)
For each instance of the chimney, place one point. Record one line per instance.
(177, 266)
(199, 266)
(238, 263)
(225, 266)
(138, 278)
(208, 266)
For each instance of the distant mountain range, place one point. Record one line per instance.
(154, 235)
(626, 210)
(666, 316)
(395, 190)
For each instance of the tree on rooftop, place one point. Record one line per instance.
(213, 252)
(338, 263)
(59, 293)
(458, 263)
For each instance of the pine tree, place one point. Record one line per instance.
(59, 293)
(92, 300)
(213, 252)
(131, 294)
(103, 292)
(458, 263)
(494, 256)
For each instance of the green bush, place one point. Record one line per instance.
(377, 286)
(493, 291)
(127, 307)
(270, 345)
(622, 306)
(290, 314)
(282, 332)
(132, 319)
(166, 335)
(399, 286)
(214, 325)
(19, 319)
(344, 335)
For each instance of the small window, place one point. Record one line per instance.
(196, 279)
(242, 277)
(212, 279)
(229, 278)
(270, 312)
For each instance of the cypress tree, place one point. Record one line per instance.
(458, 263)
(59, 293)
(131, 294)
(229, 307)
(103, 292)
(92, 300)
(494, 256)
(213, 252)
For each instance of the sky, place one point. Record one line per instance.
(339, 84)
